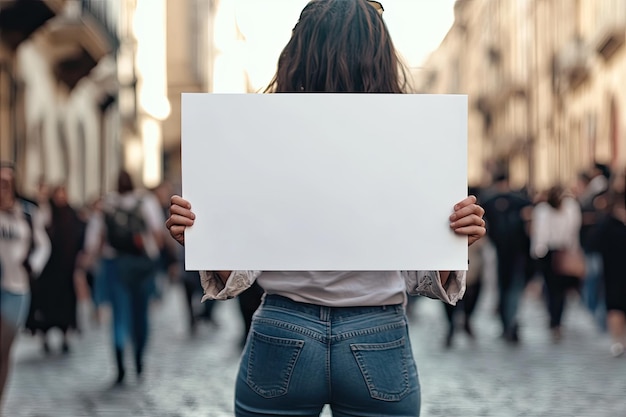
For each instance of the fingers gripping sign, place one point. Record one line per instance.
(180, 218)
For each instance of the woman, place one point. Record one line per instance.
(334, 337)
(54, 294)
(24, 250)
(555, 229)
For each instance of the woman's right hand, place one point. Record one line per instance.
(180, 218)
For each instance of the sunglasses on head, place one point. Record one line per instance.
(377, 5)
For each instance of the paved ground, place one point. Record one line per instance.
(195, 376)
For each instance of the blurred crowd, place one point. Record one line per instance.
(115, 256)
(567, 242)
(112, 260)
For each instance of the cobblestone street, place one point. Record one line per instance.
(194, 376)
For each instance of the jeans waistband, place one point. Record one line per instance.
(327, 312)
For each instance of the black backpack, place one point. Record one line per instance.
(505, 224)
(124, 228)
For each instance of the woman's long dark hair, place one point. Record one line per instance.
(339, 46)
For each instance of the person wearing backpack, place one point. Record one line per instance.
(24, 250)
(507, 213)
(130, 229)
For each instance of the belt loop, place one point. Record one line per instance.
(325, 313)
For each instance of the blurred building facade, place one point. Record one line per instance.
(83, 92)
(90, 86)
(190, 54)
(58, 93)
(205, 53)
(543, 79)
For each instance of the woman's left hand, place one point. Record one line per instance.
(467, 220)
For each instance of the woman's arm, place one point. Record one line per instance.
(430, 284)
(449, 286)
(467, 220)
(444, 275)
(223, 275)
(181, 217)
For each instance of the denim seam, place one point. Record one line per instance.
(292, 312)
(327, 344)
(368, 331)
(289, 326)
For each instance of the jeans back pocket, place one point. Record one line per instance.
(271, 363)
(385, 368)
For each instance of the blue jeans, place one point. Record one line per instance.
(512, 268)
(299, 357)
(14, 308)
(593, 288)
(130, 287)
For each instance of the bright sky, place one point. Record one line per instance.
(417, 28)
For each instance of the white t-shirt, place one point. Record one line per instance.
(555, 228)
(339, 288)
(15, 241)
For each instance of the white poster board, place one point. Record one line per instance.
(324, 181)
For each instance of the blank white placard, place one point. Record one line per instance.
(324, 181)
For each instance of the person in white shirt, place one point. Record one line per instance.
(334, 337)
(24, 251)
(555, 227)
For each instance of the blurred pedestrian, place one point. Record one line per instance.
(168, 265)
(89, 258)
(610, 241)
(592, 202)
(507, 213)
(53, 302)
(193, 293)
(131, 230)
(24, 250)
(249, 300)
(333, 337)
(555, 232)
(474, 279)
(92, 259)
(190, 281)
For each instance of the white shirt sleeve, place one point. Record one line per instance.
(428, 284)
(238, 282)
